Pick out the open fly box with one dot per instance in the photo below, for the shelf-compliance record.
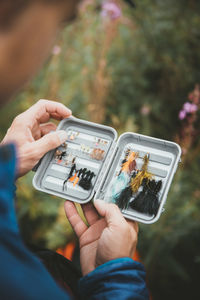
(135, 171)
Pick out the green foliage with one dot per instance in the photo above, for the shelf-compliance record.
(133, 73)
(156, 62)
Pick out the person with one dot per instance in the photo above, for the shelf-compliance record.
(28, 29)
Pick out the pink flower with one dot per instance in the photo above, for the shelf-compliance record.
(190, 107)
(56, 50)
(182, 114)
(111, 10)
(187, 107)
(193, 108)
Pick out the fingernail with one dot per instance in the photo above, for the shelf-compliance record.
(62, 136)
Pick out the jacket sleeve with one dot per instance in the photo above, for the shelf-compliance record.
(22, 276)
(122, 279)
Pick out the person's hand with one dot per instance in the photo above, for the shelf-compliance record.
(32, 134)
(108, 237)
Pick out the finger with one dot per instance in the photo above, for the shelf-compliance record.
(134, 225)
(90, 213)
(110, 212)
(44, 109)
(47, 128)
(74, 218)
(56, 116)
(48, 142)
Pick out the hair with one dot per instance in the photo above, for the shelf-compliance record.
(11, 9)
(61, 269)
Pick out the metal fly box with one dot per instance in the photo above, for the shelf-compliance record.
(135, 171)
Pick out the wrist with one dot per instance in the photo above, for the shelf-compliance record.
(115, 275)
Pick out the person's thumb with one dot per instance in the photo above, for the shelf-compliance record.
(110, 212)
(50, 141)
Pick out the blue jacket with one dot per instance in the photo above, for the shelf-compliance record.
(23, 277)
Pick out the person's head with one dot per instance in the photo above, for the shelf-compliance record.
(28, 29)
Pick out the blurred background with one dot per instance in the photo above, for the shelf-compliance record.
(135, 68)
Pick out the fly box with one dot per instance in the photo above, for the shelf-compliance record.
(135, 172)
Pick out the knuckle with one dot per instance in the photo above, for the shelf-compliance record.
(127, 229)
(114, 208)
(17, 119)
(123, 228)
(42, 102)
(133, 234)
(53, 141)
